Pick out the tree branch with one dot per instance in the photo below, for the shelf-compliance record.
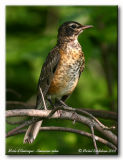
(97, 113)
(94, 139)
(102, 113)
(53, 128)
(42, 114)
(67, 108)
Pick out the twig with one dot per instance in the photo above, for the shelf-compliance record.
(53, 128)
(19, 105)
(16, 129)
(26, 123)
(86, 113)
(13, 123)
(94, 140)
(43, 98)
(101, 113)
(13, 92)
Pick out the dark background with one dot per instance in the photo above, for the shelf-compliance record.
(30, 34)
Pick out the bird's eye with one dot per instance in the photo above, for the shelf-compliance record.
(73, 26)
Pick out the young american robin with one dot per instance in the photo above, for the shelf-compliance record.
(61, 71)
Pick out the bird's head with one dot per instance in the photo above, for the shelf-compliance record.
(70, 30)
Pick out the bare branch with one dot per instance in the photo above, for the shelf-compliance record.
(53, 128)
(19, 105)
(97, 113)
(13, 123)
(101, 113)
(65, 115)
(45, 107)
(28, 112)
(94, 139)
(65, 107)
(13, 92)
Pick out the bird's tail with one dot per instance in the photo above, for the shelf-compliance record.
(32, 132)
(34, 128)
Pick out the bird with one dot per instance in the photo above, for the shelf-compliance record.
(60, 72)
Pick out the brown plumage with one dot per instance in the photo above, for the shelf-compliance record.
(61, 71)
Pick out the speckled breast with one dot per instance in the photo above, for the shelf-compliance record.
(67, 73)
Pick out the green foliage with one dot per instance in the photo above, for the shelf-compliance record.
(31, 34)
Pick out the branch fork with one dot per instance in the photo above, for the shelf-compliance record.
(68, 113)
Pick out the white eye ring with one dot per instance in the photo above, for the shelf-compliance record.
(73, 26)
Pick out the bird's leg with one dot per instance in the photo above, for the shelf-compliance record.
(61, 102)
(55, 106)
(58, 104)
(51, 103)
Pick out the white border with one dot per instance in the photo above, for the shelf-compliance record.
(62, 2)
(3, 3)
(2, 78)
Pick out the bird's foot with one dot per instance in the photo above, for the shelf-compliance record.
(59, 112)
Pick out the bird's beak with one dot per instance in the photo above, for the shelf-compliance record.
(87, 26)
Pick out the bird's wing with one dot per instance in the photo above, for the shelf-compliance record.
(82, 66)
(47, 73)
(81, 70)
